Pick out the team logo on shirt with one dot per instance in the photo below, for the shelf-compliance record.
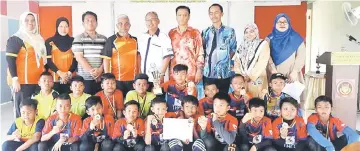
(234, 126)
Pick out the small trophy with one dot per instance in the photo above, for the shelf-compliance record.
(317, 64)
(156, 76)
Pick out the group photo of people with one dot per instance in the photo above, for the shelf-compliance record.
(96, 93)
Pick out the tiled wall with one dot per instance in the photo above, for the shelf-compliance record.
(10, 13)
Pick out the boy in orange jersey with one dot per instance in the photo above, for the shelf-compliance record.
(112, 99)
(206, 103)
(97, 129)
(129, 131)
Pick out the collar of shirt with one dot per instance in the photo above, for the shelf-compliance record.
(215, 29)
(156, 33)
(87, 35)
(188, 28)
(123, 37)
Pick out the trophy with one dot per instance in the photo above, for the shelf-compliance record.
(156, 76)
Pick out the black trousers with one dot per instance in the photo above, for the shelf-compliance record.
(62, 88)
(124, 86)
(105, 145)
(92, 87)
(48, 145)
(211, 144)
(338, 143)
(139, 146)
(13, 145)
(222, 84)
(26, 90)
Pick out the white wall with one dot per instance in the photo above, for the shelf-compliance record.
(329, 28)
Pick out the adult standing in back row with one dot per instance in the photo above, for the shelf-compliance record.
(219, 43)
(287, 50)
(87, 48)
(25, 55)
(187, 45)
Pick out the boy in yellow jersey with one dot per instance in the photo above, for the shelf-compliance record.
(25, 132)
(141, 95)
(78, 97)
(46, 96)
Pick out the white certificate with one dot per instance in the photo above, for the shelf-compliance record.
(178, 128)
(294, 90)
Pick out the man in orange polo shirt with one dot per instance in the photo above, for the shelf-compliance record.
(121, 56)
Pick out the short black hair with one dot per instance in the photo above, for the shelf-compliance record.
(277, 76)
(210, 82)
(107, 76)
(222, 96)
(77, 78)
(182, 7)
(141, 76)
(180, 67)
(157, 100)
(92, 101)
(45, 73)
(132, 102)
(256, 102)
(218, 5)
(64, 96)
(289, 100)
(88, 13)
(29, 102)
(189, 99)
(237, 75)
(323, 98)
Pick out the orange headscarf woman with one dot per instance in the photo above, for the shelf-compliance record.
(60, 58)
(25, 55)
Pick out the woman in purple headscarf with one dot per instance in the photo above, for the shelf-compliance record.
(287, 50)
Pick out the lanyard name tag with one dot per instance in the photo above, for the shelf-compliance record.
(257, 139)
(290, 140)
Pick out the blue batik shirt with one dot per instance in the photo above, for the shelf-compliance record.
(218, 44)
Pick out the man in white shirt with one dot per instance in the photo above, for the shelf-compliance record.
(155, 49)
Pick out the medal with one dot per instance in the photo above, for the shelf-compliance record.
(257, 139)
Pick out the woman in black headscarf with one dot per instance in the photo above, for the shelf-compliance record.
(60, 58)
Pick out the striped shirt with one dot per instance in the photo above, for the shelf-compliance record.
(92, 49)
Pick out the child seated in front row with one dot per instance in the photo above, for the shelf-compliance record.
(289, 130)
(218, 130)
(62, 129)
(78, 96)
(46, 96)
(129, 131)
(97, 130)
(272, 99)
(239, 97)
(154, 128)
(25, 132)
(112, 98)
(255, 129)
(189, 108)
(323, 127)
(141, 95)
(206, 103)
(178, 87)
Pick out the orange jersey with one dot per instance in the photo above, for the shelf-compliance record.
(297, 129)
(124, 57)
(263, 129)
(112, 103)
(107, 129)
(121, 127)
(205, 106)
(72, 127)
(27, 70)
(229, 123)
(238, 106)
(62, 60)
(333, 126)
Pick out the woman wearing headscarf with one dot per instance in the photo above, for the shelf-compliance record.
(287, 50)
(26, 56)
(60, 57)
(251, 60)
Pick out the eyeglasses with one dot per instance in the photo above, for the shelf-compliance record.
(279, 22)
